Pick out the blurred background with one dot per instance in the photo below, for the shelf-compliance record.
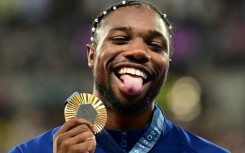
(43, 61)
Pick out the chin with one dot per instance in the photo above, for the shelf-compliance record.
(124, 104)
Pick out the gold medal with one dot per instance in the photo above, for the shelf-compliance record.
(88, 107)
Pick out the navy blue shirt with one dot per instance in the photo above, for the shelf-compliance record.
(173, 139)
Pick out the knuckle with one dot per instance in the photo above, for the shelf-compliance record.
(66, 143)
(91, 147)
(92, 143)
(72, 122)
(84, 126)
(90, 134)
(60, 140)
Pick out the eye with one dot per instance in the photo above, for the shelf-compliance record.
(119, 40)
(157, 46)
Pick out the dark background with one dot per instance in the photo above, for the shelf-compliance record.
(43, 60)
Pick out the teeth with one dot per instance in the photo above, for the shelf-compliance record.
(124, 70)
(133, 72)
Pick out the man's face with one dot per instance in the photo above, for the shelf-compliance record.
(131, 60)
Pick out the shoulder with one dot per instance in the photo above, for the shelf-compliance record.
(41, 143)
(189, 142)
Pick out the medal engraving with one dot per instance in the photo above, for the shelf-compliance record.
(87, 112)
(88, 107)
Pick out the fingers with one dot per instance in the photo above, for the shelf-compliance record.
(76, 135)
(74, 123)
(84, 136)
(86, 147)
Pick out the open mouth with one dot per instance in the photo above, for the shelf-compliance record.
(133, 72)
(131, 80)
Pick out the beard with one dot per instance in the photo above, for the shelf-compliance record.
(113, 101)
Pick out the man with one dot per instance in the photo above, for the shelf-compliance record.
(129, 55)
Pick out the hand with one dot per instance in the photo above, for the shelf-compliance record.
(75, 136)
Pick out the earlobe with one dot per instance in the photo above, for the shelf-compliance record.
(90, 55)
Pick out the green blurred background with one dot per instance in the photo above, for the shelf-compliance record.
(43, 60)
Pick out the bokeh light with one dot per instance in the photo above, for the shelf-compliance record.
(183, 99)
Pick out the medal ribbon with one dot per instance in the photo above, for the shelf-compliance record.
(145, 143)
(151, 136)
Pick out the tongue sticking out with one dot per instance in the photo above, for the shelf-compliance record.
(132, 84)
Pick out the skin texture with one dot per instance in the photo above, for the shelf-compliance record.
(75, 136)
(137, 40)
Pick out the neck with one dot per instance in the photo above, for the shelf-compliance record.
(122, 121)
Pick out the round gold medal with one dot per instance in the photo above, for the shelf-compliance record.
(88, 107)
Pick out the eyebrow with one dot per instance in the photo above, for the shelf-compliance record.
(121, 29)
(151, 32)
(158, 34)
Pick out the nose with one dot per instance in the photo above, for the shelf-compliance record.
(137, 51)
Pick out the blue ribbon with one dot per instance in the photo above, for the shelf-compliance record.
(145, 143)
(151, 136)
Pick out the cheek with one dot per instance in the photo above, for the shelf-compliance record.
(106, 55)
(161, 81)
(162, 66)
(162, 63)
(99, 70)
(101, 66)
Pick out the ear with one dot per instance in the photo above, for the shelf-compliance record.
(90, 55)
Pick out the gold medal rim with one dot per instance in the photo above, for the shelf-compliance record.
(74, 103)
